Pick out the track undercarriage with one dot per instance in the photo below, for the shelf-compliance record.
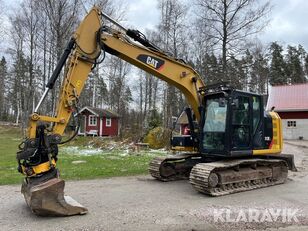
(216, 177)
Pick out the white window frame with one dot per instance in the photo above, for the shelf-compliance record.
(90, 121)
(108, 122)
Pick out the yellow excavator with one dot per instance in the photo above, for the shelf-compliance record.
(233, 146)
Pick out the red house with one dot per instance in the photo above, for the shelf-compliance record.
(99, 122)
(183, 122)
(291, 103)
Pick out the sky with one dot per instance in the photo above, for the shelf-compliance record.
(288, 23)
(287, 26)
(142, 14)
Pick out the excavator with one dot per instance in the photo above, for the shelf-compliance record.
(233, 146)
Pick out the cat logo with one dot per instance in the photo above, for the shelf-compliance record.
(154, 62)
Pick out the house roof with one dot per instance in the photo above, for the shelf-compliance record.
(100, 112)
(288, 98)
(183, 118)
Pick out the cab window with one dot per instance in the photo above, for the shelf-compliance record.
(256, 113)
(240, 122)
(215, 124)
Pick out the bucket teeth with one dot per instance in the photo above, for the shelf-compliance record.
(47, 199)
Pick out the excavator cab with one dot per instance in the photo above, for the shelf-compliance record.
(233, 123)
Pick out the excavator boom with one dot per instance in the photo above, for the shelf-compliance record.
(42, 188)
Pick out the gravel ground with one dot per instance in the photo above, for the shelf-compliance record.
(141, 203)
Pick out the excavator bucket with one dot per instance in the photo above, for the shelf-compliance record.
(47, 199)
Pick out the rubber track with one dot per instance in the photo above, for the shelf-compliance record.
(199, 177)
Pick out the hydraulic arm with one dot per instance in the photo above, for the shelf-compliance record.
(42, 187)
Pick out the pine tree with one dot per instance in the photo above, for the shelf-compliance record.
(258, 69)
(306, 66)
(212, 69)
(277, 75)
(259, 75)
(295, 71)
(236, 72)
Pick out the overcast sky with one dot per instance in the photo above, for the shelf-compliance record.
(288, 24)
(288, 19)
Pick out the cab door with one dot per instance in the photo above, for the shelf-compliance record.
(241, 124)
(214, 135)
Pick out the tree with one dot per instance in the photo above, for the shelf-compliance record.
(277, 75)
(3, 79)
(19, 81)
(231, 22)
(155, 119)
(62, 17)
(210, 68)
(119, 94)
(25, 32)
(247, 62)
(259, 72)
(172, 32)
(30, 21)
(306, 65)
(294, 68)
(239, 74)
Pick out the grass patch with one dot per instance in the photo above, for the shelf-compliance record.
(75, 162)
(103, 164)
(10, 138)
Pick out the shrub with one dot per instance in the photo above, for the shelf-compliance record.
(158, 137)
